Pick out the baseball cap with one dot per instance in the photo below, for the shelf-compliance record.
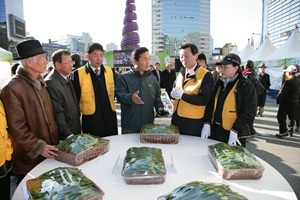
(291, 68)
(230, 59)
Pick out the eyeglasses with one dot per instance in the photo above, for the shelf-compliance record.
(68, 63)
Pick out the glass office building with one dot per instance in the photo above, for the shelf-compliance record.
(280, 17)
(12, 24)
(175, 22)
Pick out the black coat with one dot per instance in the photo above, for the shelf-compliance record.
(167, 80)
(246, 103)
(265, 80)
(289, 91)
(156, 76)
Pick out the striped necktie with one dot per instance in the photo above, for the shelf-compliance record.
(97, 73)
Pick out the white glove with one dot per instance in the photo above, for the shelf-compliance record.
(177, 93)
(205, 131)
(233, 139)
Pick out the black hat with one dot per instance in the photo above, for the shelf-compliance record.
(29, 48)
(201, 56)
(230, 59)
(262, 65)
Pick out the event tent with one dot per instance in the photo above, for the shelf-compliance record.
(288, 50)
(265, 49)
(5, 56)
(235, 50)
(246, 52)
(5, 59)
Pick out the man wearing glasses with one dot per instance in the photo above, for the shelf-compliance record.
(63, 96)
(230, 113)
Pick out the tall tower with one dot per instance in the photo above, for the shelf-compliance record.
(176, 22)
(131, 38)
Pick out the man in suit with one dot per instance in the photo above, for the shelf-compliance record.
(168, 76)
(63, 96)
(157, 73)
(94, 86)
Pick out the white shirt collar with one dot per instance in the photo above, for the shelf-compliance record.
(94, 68)
(191, 71)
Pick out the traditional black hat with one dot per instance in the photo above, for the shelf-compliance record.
(29, 48)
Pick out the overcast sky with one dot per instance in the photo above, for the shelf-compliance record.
(231, 20)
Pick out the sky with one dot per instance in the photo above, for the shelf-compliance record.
(232, 21)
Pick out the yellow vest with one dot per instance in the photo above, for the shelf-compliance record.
(192, 86)
(229, 108)
(87, 102)
(5, 143)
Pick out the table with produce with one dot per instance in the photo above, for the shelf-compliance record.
(132, 167)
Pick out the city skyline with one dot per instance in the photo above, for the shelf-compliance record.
(232, 21)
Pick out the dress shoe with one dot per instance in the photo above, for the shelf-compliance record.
(291, 131)
(280, 135)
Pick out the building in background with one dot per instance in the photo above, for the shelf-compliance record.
(111, 46)
(12, 24)
(279, 19)
(51, 47)
(226, 49)
(175, 22)
(76, 44)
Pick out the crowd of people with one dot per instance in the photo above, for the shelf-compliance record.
(219, 103)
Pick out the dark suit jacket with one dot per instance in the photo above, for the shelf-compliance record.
(167, 80)
(155, 74)
(65, 104)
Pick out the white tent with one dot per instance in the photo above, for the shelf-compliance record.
(266, 49)
(289, 49)
(5, 56)
(235, 50)
(246, 52)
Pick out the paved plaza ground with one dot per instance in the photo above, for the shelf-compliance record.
(282, 154)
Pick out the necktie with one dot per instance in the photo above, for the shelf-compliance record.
(187, 75)
(97, 73)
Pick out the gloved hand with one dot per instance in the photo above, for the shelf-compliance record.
(177, 93)
(233, 139)
(162, 113)
(205, 131)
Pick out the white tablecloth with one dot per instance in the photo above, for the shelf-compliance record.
(190, 163)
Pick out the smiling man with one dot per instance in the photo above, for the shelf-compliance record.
(192, 92)
(139, 93)
(63, 96)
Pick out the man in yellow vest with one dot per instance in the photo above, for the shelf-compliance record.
(94, 86)
(230, 113)
(191, 93)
